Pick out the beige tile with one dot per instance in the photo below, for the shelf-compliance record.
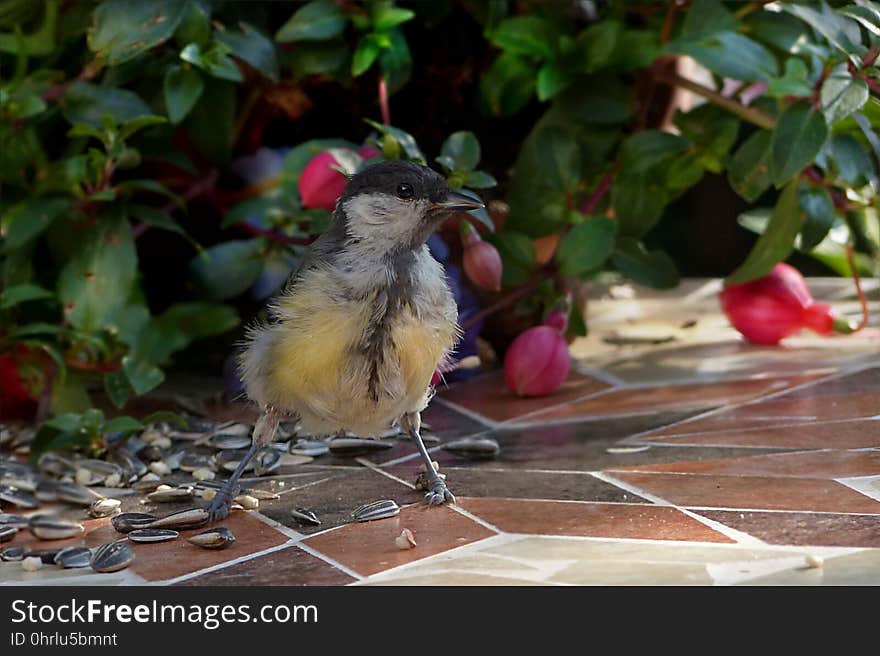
(592, 572)
(453, 578)
(862, 568)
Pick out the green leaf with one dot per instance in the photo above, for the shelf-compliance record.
(635, 49)
(552, 79)
(560, 156)
(587, 246)
(97, 278)
(868, 15)
(463, 149)
(841, 32)
(182, 87)
(481, 214)
(576, 324)
(841, 95)
(252, 46)
(517, 256)
(854, 164)
(31, 329)
(683, 172)
(793, 83)
(228, 269)
(730, 54)
(748, 171)
(314, 21)
(508, 84)
(777, 241)
(156, 218)
(317, 57)
(479, 180)
(525, 35)
(404, 139)
(28, 219)
(365, 54)
(195, 26)
(123, 29)
(133, 125)
(638, 202)
(215, 61)
(798, 137)
(596, 45)
(142, 375)
(648, 149)
(22, 293)
(386, 16)
(88, 103)
(211, 122)
(708, 17)
(122, 425)
(777, 29)
(396, 61)
(712, 130)
(651, 269)
(197, 319)
(117, 388)
(818, 209)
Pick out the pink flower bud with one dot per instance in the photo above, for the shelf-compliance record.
(557, 319)
(481, 261)
(537, 362)
(320, 185)
(771, 308)
(369, 152)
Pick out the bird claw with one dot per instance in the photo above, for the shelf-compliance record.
(218, 508)
(439, 493)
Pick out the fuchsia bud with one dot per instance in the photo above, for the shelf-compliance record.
(537, 362)
(321, 185)
(481, 261)
(369, 152)
(769, 309)
(557, 319)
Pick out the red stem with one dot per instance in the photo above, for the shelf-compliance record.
(273, 235)
(862, 299)
(600, 190)
(513, 296)
(383, 101)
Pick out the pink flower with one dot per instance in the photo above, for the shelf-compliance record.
(537, 362)
(321, 185)
(769, 309)
(481, 261)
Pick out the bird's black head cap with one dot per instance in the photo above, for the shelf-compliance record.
(405, 180)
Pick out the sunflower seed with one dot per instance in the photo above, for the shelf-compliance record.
(473, 447)
(51, 464)
(127, 522)
(8, 519)
(623, 450)
(228, 441)
(104, 507)
(191, 462)
(266, 461)
(229, 460)
(112, 557)
(47, 491)
(16, 552)
(234, 428)
(171, 494)
(7, 533)
(152, 535)
(18, 497)
(49, 527)
(71, 557)
(309, 448)
(406, 540)
(213, 538)
(101, 468)
(147, 483)
(247, 502)
(77, 494)
(26, 480)
(261, 495)
(160, 468)
(305, 516)
(376, 510)
(349, 447)
(183, 519)
(47, 556)
(152, 452)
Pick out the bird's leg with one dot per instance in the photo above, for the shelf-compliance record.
(437, 491)
(264, 433)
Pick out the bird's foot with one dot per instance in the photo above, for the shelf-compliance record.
(218, 508)
(438, 493)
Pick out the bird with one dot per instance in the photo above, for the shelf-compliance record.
(352, 340)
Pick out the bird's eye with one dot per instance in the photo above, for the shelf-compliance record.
(405, 191)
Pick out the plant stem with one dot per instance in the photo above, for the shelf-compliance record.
(383, 101)
(274, 236)
(861, 294)
(510, 298)
(750, 114)
(600, 190)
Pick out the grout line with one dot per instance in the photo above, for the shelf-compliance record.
(302, 487)
(737, 536)
(278, 526)
(330, 561)
(485, 421)
(225, 564)
(750, 429)
(378, 469)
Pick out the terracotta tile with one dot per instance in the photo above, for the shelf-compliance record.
(167, 560)
(574, 447)
(752, 492)
(486, 395)
(476, 482)
(693, 396)
(840, 435)
(289, 566)
(590, 519)
(817, 529)
(334, 499)
(368, 547)
(810, 464)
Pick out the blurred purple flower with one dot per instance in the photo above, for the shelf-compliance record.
(263, 165)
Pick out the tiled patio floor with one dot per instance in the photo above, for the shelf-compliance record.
(674, 455)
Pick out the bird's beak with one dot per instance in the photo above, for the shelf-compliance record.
(455, 201)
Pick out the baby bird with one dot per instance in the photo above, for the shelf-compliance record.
(355, 336)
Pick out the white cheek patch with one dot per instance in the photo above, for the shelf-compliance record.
(380, 221)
